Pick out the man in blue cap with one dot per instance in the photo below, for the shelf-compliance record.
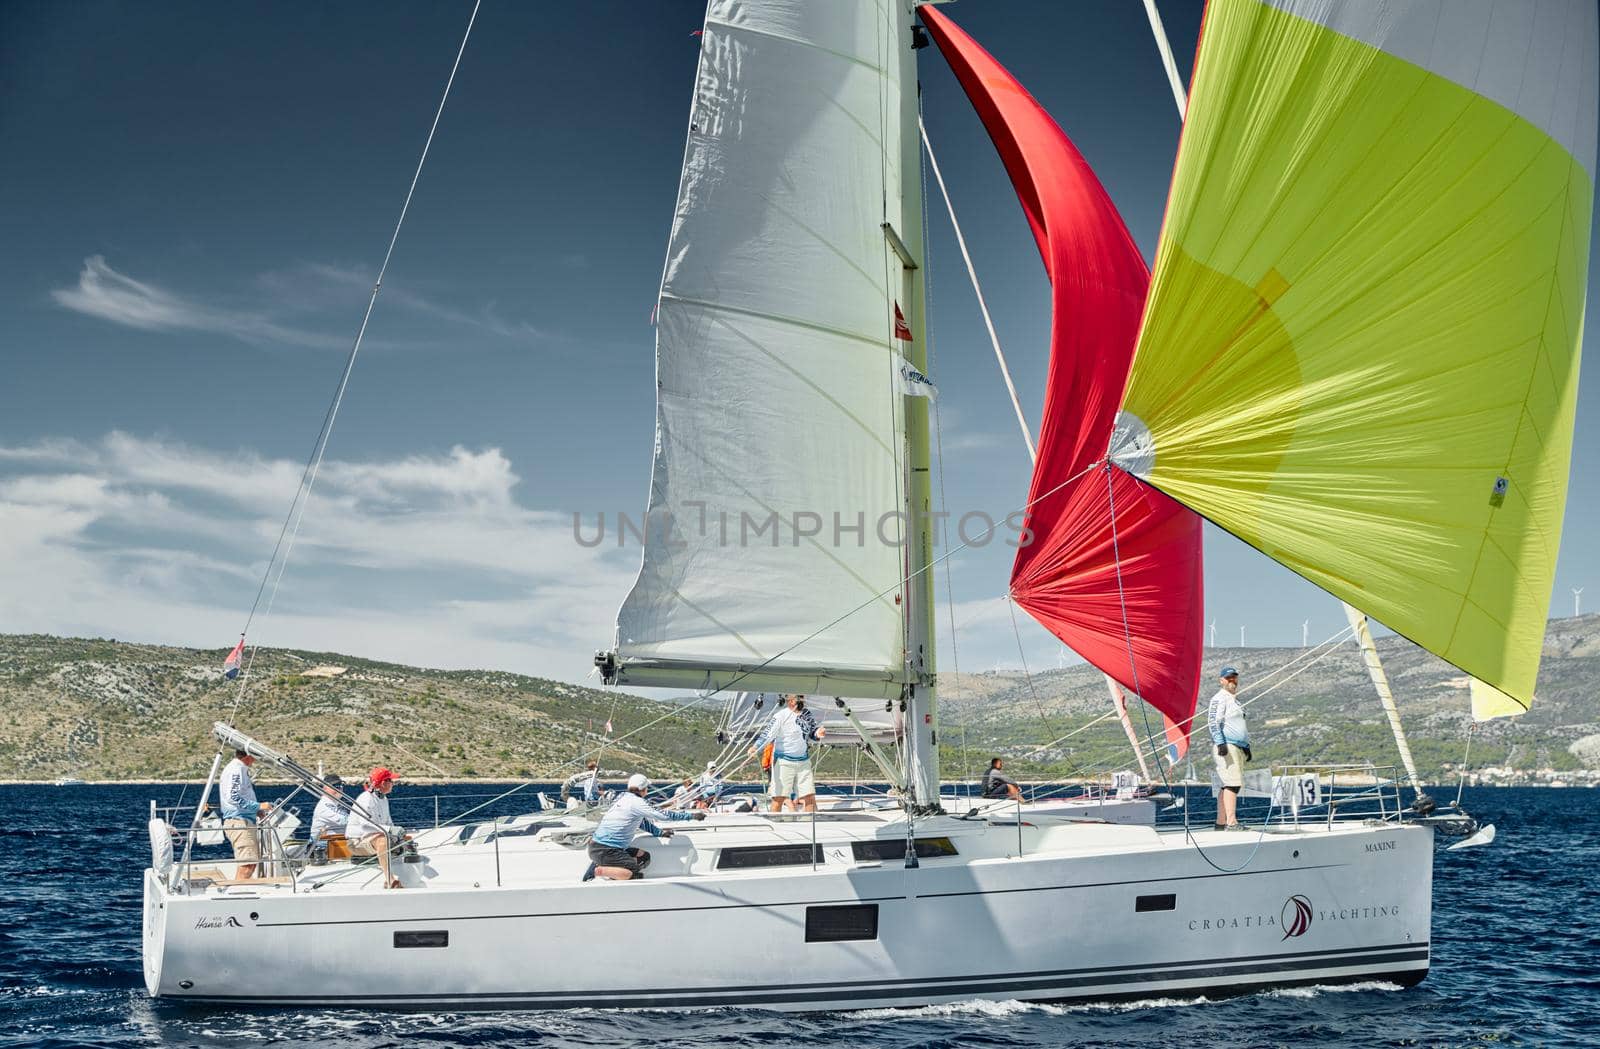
(1231, 736)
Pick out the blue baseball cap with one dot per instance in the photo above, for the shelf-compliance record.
(1229, 672)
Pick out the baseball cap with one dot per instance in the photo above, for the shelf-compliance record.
(638, 781)
(1229, 672)
(380, 776)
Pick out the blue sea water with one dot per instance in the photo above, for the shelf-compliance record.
(1516, 958)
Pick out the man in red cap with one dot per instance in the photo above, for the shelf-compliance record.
(370, 829)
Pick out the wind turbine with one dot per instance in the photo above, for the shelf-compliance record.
(1213, 633)
(1305, 634)
(1241, 635)
(1577, 601)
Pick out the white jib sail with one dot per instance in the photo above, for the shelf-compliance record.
(1380, 683)
(778, 485)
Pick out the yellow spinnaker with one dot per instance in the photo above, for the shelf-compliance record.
(1360, 352)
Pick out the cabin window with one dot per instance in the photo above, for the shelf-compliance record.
(428, 938)
(1165, 902)
(834, 924)
(895, 848)
(769, 856)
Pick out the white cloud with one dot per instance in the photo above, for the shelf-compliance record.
(424, 558)
(111, 296)
(421, 559)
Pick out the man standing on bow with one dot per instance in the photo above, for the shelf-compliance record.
(791, 731)
(1225, 717)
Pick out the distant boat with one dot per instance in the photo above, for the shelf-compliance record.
(69, 781)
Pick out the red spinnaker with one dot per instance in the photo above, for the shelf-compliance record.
(1088, 521)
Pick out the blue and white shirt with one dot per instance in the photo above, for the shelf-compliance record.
(790, 734)
(238, 793)
(1225, 717)
(627, 814)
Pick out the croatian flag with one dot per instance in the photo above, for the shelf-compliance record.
(1177, 741)
(230, 666)
(902, 330)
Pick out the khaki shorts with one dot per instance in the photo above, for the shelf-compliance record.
(245, 839)
(365, 846)
(792, 779)
(1230, 766)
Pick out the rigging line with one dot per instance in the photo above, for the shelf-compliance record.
(981, 536)
(1472, 730)
(994, 339)
(1011, 607)
(938, 438)
(1337, 638)
(1127, 630)
(308, 477)
(983, 306)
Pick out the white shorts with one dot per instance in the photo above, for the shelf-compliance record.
(792, 779)
(1230, 766)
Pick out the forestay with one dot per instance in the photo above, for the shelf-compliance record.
(1361, 349)
(778, 477)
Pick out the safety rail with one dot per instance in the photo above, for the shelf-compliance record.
(1325, 794)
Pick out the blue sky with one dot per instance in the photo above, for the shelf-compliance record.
(195, 206)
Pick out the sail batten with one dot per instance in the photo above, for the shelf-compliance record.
(1114, 569)
(1361, 345)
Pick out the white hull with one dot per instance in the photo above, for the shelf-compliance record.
(1063, 921)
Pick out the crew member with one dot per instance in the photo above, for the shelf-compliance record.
(584, 784)
(240, 811)
(792, 730)
(1225, 717)
(330, 815)
(369, 830)
(996, 784)
(611, 852)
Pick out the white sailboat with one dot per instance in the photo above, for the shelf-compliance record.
(791, 364)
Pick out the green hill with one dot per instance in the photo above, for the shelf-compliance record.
(100, 709)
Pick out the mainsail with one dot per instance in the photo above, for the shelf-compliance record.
(773, 552)
(1361, 348)
(1114, 569)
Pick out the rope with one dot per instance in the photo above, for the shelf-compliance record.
(1472, 730)
(1122, 602)
(308, 477)
(994, 340)
(938, 438)
(1011, 607)
(1337, 638)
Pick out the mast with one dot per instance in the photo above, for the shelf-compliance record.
(922, 723)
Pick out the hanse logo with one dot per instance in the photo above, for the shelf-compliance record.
(213, 922)
(1295, 918)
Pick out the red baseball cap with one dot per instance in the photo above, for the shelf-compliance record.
(380, 775)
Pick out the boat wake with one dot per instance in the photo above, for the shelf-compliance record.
(1012, 1007)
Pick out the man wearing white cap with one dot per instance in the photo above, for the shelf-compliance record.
(611, 855)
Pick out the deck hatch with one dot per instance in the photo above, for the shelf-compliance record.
(1167, 901)
(423, 938)
(768, 856)
(895, 848)
(834, 924)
